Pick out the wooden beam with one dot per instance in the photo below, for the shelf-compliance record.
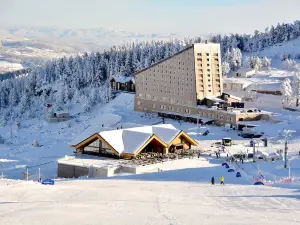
(148, 141)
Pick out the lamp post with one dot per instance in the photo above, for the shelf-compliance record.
(198, 117)
(253, 144)
(287, 134)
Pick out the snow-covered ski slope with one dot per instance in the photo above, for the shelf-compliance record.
(289, 47)
(162, 198)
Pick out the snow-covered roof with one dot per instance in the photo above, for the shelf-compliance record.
(132, 139)
(215, 99)
(235, 97)
(125, 141)
(89, 131)
(123, 79)
(245, 82)
(244, 70)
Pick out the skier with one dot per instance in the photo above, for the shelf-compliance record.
(222, 180)
(213, 180)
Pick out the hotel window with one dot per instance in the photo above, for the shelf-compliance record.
(199, 54)
(153, 105)
(207, 54)
(209, 90)
(207, 64)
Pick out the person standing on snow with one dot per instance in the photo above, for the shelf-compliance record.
(222, 180)
(213, 180)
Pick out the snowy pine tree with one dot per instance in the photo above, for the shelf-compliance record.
(225, 68)
(266, 62)
(296, 87)
(287, 92)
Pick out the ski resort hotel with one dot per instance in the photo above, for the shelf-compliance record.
(189, 84)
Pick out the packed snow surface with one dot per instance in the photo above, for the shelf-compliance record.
(169, 197)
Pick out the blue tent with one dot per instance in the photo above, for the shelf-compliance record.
(231, 170)
(258, 183)
(238, 174)
(48, 182)
(224, 164)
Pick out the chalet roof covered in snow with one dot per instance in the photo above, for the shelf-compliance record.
(131, 140)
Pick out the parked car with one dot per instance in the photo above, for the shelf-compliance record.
(48, 182)
(251, 135)
(247, 135)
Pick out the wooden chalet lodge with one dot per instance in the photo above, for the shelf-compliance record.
(128, 143)
(123, 84)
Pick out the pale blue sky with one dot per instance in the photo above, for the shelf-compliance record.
(187, 17)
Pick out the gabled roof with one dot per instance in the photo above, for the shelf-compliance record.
(132, 140)
(166, 132)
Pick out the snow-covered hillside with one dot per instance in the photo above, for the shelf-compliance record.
(8, 66)
(290, 47)
(30, 45)
(98, 36)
